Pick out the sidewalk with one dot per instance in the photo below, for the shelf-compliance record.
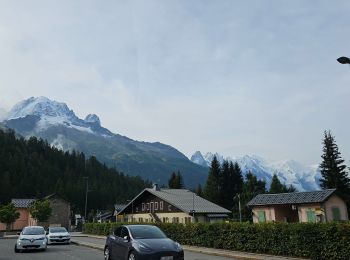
(98, 242)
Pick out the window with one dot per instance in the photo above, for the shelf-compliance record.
(261, 216)
(155, 205)
(187, 220)
(161, 205)
(336, 214)
(169, 207)
(125, 232)
(147, 206)
(117, 231)
(311, 217)
(143, 206)
(140, 220)
(175, 220)
(137, 209)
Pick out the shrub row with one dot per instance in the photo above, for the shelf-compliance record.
(316, 241)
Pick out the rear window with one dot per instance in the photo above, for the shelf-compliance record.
(57, 230)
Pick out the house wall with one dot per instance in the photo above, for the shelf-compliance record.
(150, 203)
(60, 215)
(335, 201)
(285, 213)
(164, 217)
(269, 214)
(303, 208)
(24, 220)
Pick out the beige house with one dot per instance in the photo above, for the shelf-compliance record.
(312, 206)
(171, 206)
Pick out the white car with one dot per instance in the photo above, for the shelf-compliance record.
(31, 237)
(57, 235)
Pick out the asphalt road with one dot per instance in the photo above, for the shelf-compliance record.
(73, 252)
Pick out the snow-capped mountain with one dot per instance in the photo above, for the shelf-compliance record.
(47, 113)
(55, 122)
(289, 172)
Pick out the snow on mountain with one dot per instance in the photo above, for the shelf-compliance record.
(52, 113)
(289, 171)
(41, 106)
(92, 118)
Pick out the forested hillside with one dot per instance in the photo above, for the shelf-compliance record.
(33, 169)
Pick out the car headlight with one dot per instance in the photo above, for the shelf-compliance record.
(142, 247)
(178, 247)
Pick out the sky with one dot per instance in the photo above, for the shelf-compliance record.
(233, 77)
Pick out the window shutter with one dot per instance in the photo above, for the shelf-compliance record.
(311, 217)
(261, 216)
(336, 213)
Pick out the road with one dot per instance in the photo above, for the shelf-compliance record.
(74, 252)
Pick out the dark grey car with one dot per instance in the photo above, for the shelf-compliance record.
(139, 242)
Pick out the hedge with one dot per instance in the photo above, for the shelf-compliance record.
(316, 241)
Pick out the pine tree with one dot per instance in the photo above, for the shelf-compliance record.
(276, 185)
(211, 189)
(172, 181)
(333, 169)
(226, 186)
(199, 191)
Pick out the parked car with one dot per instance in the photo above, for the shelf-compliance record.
(58, 235)
(31, 237)
(139, 242)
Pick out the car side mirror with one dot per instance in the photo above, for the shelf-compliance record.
(126, 239)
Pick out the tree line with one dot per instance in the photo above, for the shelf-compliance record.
(226, 185)
(33, 169)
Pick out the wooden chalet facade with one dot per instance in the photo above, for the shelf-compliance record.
(171, 206)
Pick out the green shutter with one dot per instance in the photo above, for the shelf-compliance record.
(311, 217)
(336, 213)
(261, 216)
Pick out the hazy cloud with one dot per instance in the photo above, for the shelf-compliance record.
(233, 77)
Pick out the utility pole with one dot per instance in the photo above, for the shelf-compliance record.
(86, 196)
(239, 205)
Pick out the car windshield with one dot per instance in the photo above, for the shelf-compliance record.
(146, 232)
(58, 230)
(33, 231)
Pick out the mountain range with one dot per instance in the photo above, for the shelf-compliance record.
(58, 124)
(289, 171)
(55, 122)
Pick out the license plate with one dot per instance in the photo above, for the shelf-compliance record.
(166, 258)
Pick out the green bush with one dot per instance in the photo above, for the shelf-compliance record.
(316, 241)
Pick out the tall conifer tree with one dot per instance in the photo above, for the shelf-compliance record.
(333, 169)
(212, 187)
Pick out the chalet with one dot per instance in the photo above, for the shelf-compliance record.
(312, 206)
(171, 206)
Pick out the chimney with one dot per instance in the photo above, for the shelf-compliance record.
(156, 187)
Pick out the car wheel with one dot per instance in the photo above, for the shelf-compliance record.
(132, 256)
(106, 254)
(17, 250)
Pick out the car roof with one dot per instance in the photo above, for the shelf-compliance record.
(33, 227)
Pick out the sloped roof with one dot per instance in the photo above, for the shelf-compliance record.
(22, 203)
(318, 196)
(185, 200)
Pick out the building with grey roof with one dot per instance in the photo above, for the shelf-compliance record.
(310, 206)
(172, 206)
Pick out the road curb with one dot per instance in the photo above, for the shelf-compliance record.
(86, 244)
(208, 251)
